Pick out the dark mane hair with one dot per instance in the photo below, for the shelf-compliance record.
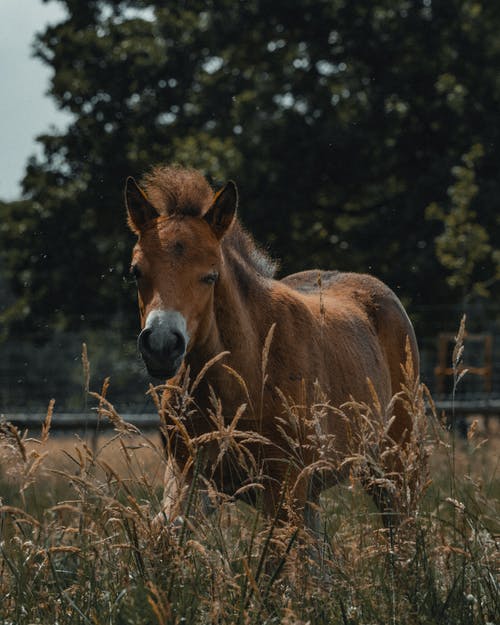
(175, 190)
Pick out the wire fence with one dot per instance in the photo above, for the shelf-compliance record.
(31, 373)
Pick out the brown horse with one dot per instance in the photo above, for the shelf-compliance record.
(205, 288)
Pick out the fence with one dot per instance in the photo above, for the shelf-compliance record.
(32, 373)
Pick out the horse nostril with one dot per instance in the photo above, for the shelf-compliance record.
(178, 342)
(143, 341)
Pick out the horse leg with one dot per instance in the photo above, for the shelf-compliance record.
(176, 483)
(386, 502)
(400, 345)
(302, 503)
(389, 480)
(312, 517)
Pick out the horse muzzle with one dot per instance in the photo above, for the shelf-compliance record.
(162, 343)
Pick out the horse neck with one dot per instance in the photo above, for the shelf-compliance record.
(242, 318)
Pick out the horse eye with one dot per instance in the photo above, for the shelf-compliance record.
(210, 278)
(135, 271)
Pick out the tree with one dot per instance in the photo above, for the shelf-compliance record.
(464, 247)
(339, 121)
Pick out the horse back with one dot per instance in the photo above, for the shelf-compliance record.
(382, 308)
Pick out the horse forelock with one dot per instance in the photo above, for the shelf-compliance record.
(175, 190)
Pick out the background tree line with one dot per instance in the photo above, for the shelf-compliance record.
(362, 135)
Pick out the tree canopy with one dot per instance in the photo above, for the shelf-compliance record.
(341, 122)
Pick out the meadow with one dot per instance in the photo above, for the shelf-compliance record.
(79, 543)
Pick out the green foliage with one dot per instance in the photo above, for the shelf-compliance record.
(464, 245)
(339, 121)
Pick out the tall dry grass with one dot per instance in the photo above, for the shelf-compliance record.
(79, 543)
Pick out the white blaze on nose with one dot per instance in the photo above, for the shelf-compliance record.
(162, 323)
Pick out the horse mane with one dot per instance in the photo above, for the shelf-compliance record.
(240, 247)
(176, 190)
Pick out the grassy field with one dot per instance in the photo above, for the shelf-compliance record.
(78, 544)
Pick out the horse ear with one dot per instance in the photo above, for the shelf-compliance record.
(139, 209)
(223, 210)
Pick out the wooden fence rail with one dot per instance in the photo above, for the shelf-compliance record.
(72, 421)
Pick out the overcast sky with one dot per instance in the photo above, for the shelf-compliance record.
(25, 110)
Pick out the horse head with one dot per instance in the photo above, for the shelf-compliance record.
(176, 262)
